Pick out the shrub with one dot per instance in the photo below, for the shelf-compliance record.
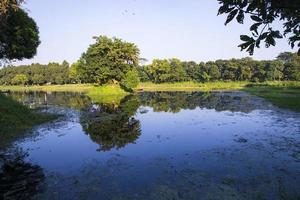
(19, 79)
(131, 80)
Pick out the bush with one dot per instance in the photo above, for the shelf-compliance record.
(131, 80)
(19, 79)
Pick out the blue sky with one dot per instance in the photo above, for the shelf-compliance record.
(189, 29)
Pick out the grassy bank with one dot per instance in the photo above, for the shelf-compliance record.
(108, 90)
(275, 91)
(107, 94)
(100, 94)
(15, 119)
(49, 88)
(281, 94)
(191, 86)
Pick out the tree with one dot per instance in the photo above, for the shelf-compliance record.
(292, 71)
(287, 57)
(193, 70)
(6, 5)
(291, 62)
(159, 71)
(214, 72)
(38, 79)
(263, 13)
(20, 79)
(131, 80)
(274, 70)
(19, 35)
(108, 59)
(178, 73)
(73, 73)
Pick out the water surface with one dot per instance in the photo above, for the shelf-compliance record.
(220, 145)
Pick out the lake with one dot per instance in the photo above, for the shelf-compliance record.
(160, 145)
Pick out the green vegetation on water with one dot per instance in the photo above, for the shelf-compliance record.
(16, 118)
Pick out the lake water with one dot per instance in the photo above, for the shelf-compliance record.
(220, 145)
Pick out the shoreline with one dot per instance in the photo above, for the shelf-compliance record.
(153, 87)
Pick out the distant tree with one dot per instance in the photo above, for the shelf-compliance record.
(192, 69)
(291, 69)
(19, 35)
(258, 72)
(108, 59)
(38, 79)
(287, 57)
(214, 72)
(263, 13)
(274, 70)
(171, 70)
(20, 79)
(243, 73)
(73, 73)
(285, 67)
(143, 74)
(159, 71)
(178, 73)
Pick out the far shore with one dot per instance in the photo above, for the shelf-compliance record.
(152, 87)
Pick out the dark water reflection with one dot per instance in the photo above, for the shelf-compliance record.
(224, 145)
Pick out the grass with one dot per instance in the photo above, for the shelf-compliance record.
(282, 94)
(191, 86)
(107, 94)
(49, 88)
(111, 90)
(99, 94)
(15, 119)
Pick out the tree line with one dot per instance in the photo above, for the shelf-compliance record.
(35, 74)
(285, 67)
(112, 60)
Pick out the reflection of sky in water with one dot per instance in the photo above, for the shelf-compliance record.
(163, 134)
(199, 144)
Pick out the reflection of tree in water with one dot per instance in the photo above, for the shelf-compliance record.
(175, 101)
(113, 127)
(68, 99)
(19, 179)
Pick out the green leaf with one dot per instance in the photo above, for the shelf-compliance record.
(246, 38)
(240, 17)
(251, 49)
(263, 36)
(257, 43)
(276, 34)
(270, 41)
(255, 18)
(231, 15)
(254, 27)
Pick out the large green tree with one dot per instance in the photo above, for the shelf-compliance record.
(107, 60)
(19, 35)
(6, 5)
(263, 14)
